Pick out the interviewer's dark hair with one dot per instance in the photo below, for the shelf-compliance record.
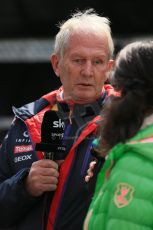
(133, 78)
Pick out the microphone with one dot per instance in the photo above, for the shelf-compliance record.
(52, 132)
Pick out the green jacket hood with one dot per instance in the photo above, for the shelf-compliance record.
(143, 140)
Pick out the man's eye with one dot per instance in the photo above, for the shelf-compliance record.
(98, 62)
(78, 60)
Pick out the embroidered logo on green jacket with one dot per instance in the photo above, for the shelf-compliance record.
(123, 195)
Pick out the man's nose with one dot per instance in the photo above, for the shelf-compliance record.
(87, 69)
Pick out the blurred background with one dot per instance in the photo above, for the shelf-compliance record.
(27, 30)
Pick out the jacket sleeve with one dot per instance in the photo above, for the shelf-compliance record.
(15, 202)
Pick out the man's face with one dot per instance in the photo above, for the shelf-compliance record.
(83, 68)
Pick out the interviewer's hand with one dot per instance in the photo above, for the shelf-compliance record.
(42, 177)
(90, 171)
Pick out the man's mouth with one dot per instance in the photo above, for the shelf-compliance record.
(85, 84)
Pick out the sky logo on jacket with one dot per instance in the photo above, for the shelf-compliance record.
(58, 124)
(123, 195)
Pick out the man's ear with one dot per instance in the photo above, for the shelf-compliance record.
(55, 64)
(110, 64)
(109, 69)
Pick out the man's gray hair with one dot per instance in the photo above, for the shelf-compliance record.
(86, 21)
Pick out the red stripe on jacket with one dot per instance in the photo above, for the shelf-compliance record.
(64, 171)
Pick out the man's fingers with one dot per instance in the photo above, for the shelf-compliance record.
(90, 172)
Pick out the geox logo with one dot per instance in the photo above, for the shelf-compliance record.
(23, 158)
(22, 148)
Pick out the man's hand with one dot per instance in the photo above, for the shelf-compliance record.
(42, 177)
(90, 171)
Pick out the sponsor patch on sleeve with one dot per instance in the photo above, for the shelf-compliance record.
(123, 195)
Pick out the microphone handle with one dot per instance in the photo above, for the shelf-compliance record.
(49, 155)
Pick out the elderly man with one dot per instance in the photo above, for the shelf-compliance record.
(38, 193)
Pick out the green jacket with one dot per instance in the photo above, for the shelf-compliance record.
(123, 198)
